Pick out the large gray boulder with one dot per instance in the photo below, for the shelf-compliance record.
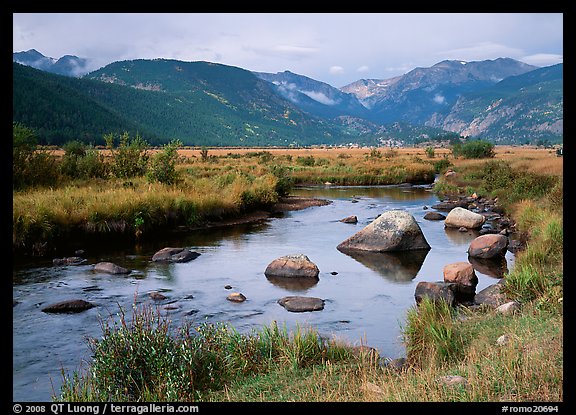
(460, 217)
(292, 266)
(394, 230)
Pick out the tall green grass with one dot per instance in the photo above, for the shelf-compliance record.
(143, 358)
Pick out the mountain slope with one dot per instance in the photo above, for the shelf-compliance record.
(519, 108)
(424, 93)
(197, 102)
(315, 97)
(58, 110)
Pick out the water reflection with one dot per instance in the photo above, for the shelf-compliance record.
(293, 283)
(493, 267)
(461, 238)
(402, 266)
(394, 192)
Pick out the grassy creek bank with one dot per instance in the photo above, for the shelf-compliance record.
(453, 353)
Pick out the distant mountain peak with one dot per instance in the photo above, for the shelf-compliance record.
(68, 65)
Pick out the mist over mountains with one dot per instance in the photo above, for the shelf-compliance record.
(203, 103)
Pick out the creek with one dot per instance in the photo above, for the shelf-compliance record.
(366, 297)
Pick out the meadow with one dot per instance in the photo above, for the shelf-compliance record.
(218, 364)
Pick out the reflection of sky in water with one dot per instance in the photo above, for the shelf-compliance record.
(365, 302)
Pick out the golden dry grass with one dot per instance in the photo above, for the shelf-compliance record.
(528, 158)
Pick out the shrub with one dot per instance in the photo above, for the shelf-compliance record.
(143, 359)
(475, 149)
(306, 161)
(163, 165)
(31, 166)
(130, 158)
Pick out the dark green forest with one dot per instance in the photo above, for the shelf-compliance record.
(200, 104)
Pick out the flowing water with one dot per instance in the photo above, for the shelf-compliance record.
(366, 297)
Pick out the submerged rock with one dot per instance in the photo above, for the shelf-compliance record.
(110, 268)
(299, 304)
(394, 230)
(174, 255)
(68, 306)
(434, 216)
(73, 260)
(236, 297)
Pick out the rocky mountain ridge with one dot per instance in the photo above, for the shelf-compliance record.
(476, 99)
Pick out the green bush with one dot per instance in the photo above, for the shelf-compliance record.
(306, 161)
(475, 149)
(130, 158)
(82, 162)
(144, 359)
(31, 166)
(163, 165)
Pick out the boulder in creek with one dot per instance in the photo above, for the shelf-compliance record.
(462, 274)
(436, 291)
(434, 216)
(174, 255)
(68, 306)
(460, 217)
(297, 304)
(110, 268)
(73, 260)
(394, 230)
(488, 246)
(156, 296)
(236, 297)
(291, 266)
(349, 219)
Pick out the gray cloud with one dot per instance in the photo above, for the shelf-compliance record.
(383, 45)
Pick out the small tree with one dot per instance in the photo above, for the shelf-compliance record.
(130, 158)
(31, 166)
(204, 153)
(163, 164)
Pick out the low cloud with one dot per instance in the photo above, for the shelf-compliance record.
(284, 51)
(480, 51)
(320, 97)
(363, 68)
(543, 59)
(439, 99)
(336, 70)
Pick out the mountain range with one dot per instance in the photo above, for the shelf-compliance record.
(203, 103)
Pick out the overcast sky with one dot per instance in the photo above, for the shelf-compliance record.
(336, 48)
